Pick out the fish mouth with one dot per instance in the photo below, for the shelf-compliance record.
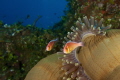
(66, 52)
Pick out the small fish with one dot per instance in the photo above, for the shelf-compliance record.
(51, 44)
(28, 16)
(70, 46)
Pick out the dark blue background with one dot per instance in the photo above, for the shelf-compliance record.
(12, 11)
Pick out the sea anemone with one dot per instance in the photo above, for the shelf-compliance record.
(71, 65)
(47, 69)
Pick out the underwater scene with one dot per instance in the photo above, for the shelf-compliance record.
(60, 40)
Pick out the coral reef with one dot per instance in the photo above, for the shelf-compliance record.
(19, 46)
(108, 9)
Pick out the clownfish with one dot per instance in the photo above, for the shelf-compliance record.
(51, 44)
(70, 46)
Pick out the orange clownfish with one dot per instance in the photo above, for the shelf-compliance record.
(51, 44)
(70, 46)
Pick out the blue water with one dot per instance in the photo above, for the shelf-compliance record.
(26, 11)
